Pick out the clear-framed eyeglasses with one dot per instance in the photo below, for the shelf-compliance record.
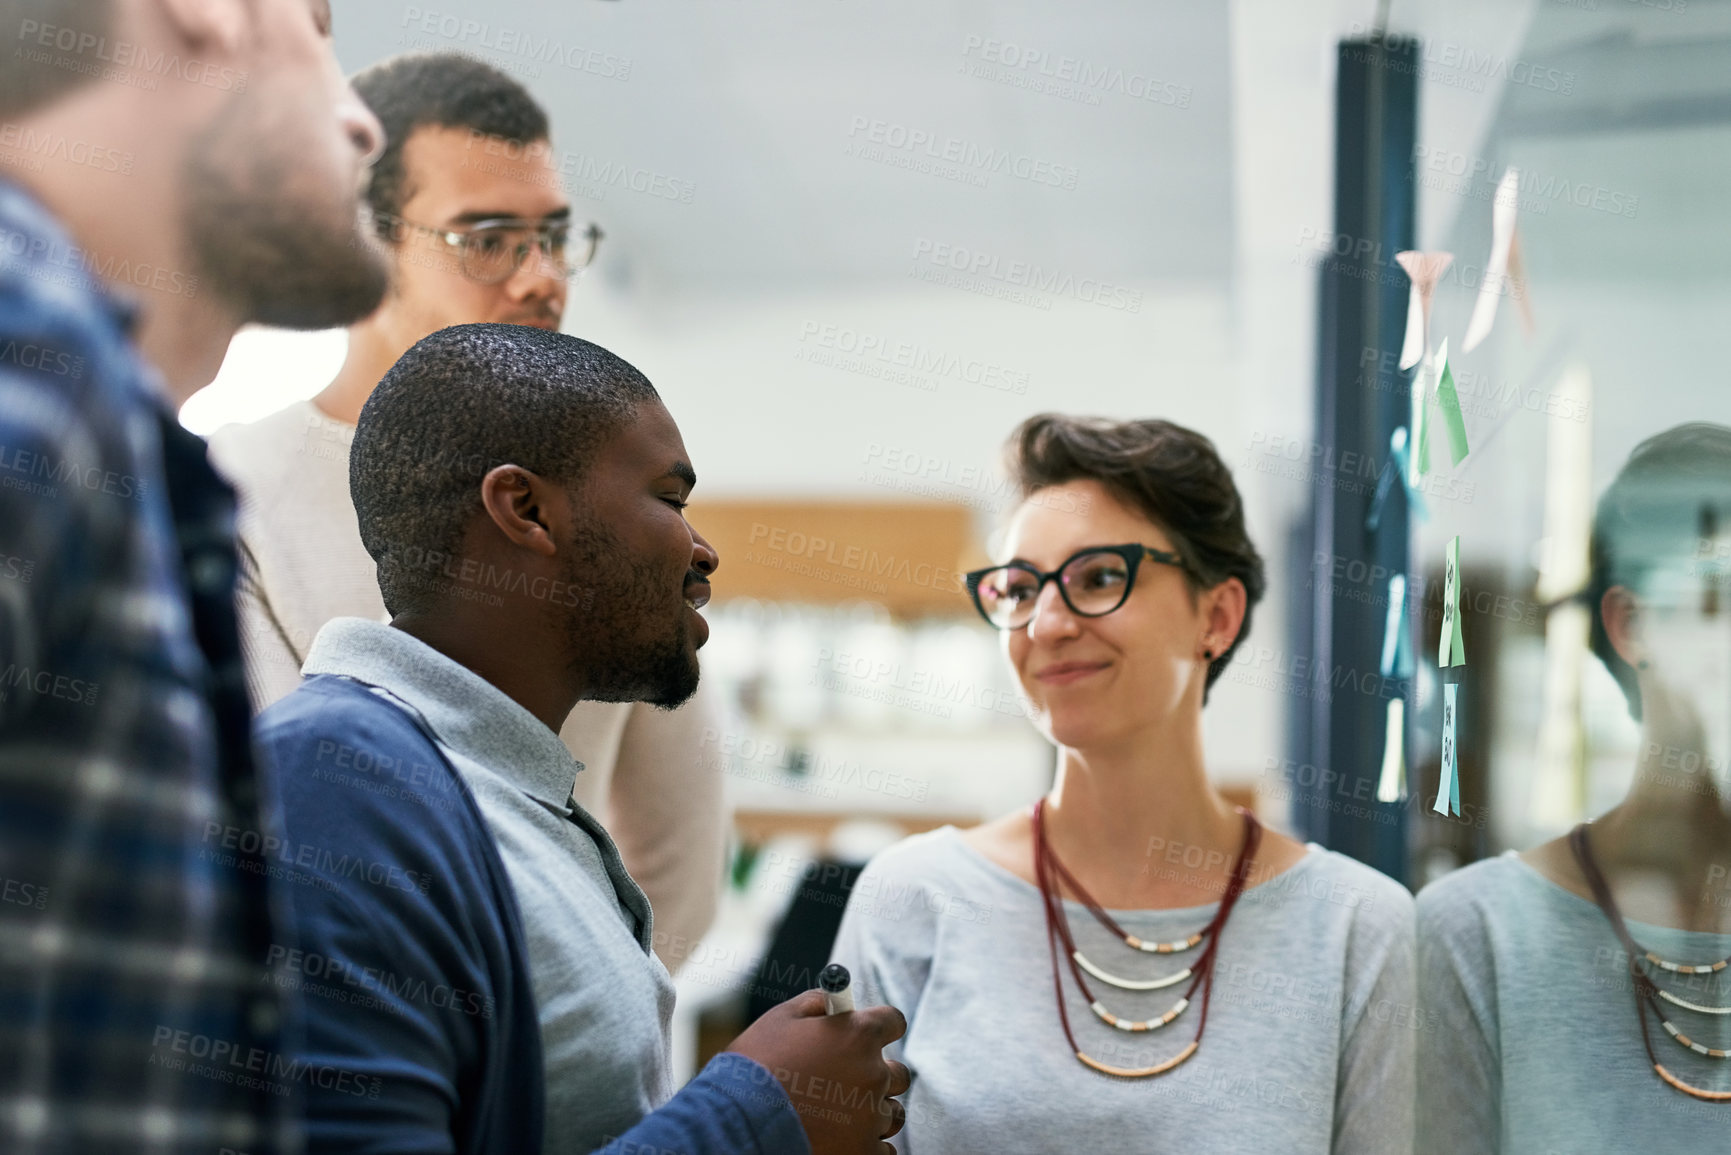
(1093, 582)
(492, 251)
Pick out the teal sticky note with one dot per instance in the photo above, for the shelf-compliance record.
(1396, 652)
(1451, 719)
(1399, 445)
(1448, 790)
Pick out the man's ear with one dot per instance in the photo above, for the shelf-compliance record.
(1621, 612)
(522, 506)
(216, 27)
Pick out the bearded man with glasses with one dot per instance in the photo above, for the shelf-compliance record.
(467, 199)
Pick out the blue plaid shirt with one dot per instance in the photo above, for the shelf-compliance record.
(136, 1013)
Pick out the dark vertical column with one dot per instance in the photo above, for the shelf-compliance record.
(1361, 398)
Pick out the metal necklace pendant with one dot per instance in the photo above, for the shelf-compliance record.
(1698, 1048)
(1177, 947)
(1124, 984)
(1684, 969)
(1689, 1006)
(1124, 1024)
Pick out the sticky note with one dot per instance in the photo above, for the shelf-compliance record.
(1496, 276)
(1451, 651)
(1420, 427)
(1394, 643)
(1391, 785)
(1450, 403)
(1424, 270)
(1399, 445)
(1448, 791)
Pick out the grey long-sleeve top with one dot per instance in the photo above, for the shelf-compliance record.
(1310, 1037)
(1531, 1044)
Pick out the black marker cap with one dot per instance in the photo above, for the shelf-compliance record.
(834, 978)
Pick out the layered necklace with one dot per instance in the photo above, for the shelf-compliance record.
(1050, 873)
(1648, 992)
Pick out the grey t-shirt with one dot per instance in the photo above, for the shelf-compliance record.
(1310, 1037)
(1531, 1044)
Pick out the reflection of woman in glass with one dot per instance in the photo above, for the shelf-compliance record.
(1540, 1033)
(1132, 964)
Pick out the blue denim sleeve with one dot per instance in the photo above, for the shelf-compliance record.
(733, 1107)
(419, 1034)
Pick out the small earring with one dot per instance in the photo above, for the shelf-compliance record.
(1208, 655)
(1643, 664)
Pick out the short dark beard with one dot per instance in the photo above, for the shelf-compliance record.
(276, 251)
(624, 652)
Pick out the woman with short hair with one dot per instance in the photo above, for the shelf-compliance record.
(1132, 963)
(1581, 989)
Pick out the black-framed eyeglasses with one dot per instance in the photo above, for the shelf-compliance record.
(492, 251)
(1093, 582)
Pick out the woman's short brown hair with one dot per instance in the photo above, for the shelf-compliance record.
(1171, 475)
(1664, 509)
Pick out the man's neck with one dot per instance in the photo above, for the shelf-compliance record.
(371, 355)
(527, 668)
(135, 240)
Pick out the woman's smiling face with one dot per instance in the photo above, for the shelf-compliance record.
(1092, 681)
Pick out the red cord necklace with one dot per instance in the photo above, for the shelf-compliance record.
(1049, 872)
(1641, 980)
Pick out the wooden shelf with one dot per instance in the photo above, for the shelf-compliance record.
(906, 556)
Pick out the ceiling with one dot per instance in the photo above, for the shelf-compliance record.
(749, 112)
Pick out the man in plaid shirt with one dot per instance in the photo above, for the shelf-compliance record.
(169, 171)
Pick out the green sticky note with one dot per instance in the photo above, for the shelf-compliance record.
(1450, 404)
(1421, 422)
(1460, 649)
